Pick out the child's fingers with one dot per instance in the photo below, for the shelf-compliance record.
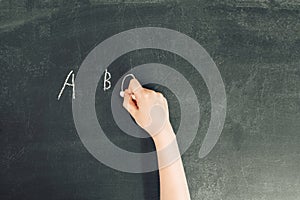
(128, 103)
(135, 87)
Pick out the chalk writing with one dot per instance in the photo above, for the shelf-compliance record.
(68, 84)
(106, 82)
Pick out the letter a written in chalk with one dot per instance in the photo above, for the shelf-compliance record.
(68, 84)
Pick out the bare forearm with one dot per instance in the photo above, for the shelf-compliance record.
(173, 184)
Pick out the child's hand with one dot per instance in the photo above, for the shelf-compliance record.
(147, 107)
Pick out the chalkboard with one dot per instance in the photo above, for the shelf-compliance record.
(255, 45)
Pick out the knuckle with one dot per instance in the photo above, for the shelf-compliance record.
(148, 93)
(160, 94)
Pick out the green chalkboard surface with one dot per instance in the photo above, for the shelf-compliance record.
(255, 45)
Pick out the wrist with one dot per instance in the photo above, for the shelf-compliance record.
(164, 137)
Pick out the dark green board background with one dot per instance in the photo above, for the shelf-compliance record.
(255, 44)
